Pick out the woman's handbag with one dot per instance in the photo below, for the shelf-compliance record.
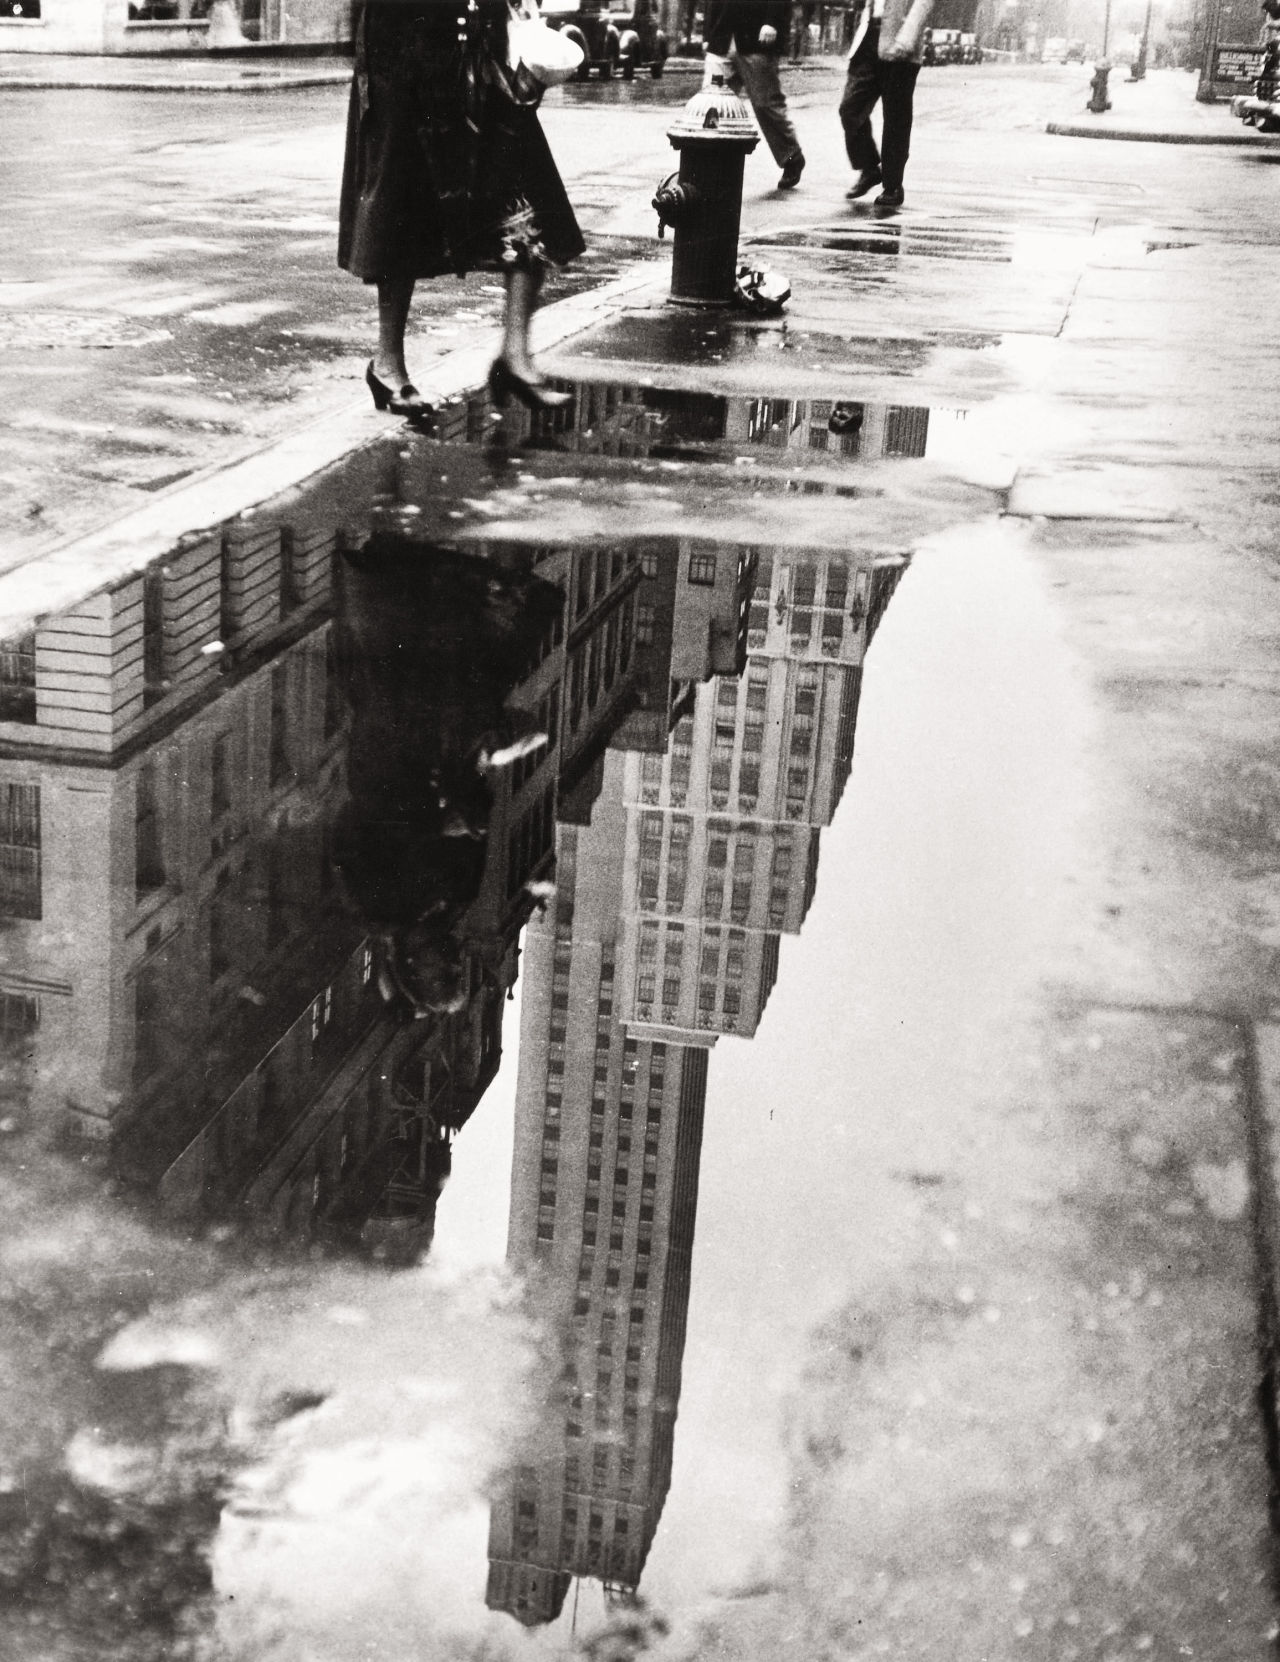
(549, 56)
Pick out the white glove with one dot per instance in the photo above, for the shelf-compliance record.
(767, 35)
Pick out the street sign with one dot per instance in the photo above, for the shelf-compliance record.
(1239, 66)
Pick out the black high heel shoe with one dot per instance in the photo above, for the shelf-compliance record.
(534, 393)
(407, 402)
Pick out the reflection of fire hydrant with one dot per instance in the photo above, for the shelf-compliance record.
(714, 134)
(1099, 103)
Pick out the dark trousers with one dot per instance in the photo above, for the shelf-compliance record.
(891, 83)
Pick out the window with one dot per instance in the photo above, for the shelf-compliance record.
(321, 1015)
(333, 705)
(148, 843)
(18, 1014)
(18, 669)
(20, 874)
(27, 10)
(702, 569)
(219, 938)
(220, 776)
(149, 995)
(281, 761)
(646, 616)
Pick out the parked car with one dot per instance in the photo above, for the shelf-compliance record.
(1055, 50)
(942, 46)
(641, 43)
(1075, 52)
(613, 42)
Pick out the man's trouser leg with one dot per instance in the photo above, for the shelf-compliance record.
(758, 73)
(861, 93)
(897, 95)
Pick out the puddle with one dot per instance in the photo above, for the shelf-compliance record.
(384, 878)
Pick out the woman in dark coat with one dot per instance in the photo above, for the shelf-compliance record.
(447, 170)
(430, 644)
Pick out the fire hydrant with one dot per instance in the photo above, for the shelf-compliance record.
(714, 134)
(1099, 103)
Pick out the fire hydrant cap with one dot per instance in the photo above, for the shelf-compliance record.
(716, 115)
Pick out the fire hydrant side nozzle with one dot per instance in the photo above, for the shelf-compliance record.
(713, 134)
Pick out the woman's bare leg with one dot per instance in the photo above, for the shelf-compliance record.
(395, 295)
(523, 283)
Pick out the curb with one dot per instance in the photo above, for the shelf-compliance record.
(1129, 135)
(677, 68)
(17, 83)
(52, 578)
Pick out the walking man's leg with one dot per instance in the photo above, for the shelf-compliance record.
(861, 93)
(898, 102)
(758, 72)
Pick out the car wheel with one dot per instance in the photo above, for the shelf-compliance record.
(656, 68)
(607, 69)
(628, 69)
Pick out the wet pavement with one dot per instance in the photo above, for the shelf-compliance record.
(880, 950)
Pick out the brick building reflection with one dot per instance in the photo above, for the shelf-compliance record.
(664, 932)
(181, 977)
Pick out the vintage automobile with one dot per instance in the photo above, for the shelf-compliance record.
(641, 43)
(942, 46)
(612, 42)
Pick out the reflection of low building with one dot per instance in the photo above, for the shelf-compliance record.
(633, 421)
(179, 960)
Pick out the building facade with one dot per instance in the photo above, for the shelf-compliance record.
(149, 27)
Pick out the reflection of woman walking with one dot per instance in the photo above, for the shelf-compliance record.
(447, 170)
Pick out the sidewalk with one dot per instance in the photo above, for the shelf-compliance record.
(1160, 109)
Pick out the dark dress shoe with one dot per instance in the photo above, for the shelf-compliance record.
(535, 392)
(791, 173)
(888, 200)
(407, 402)
(866, 182)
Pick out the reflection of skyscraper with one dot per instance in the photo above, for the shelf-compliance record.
(723, 831)
(663, 933)
(604, 1194)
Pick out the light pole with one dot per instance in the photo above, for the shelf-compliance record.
(1138, 69)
